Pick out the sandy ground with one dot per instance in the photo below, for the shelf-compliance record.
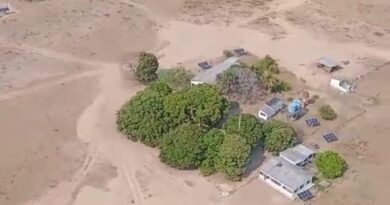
(61, 83)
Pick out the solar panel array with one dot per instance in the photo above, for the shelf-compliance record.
(204, 65)
(306, 195)
(313, 122)
(330, 137)
(239, 51)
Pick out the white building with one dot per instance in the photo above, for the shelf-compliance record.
(270, 108)
(285, 177)
(341, 85)
(209, 76)
(299, 155)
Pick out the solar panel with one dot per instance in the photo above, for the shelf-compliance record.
(204, 65)
(330, 137)
(313, 122)
(239, 51)
(306, 195)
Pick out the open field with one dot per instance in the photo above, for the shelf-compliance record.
(61, 83)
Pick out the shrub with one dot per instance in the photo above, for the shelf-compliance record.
(240, 83)
(181, 148)
(210, 144)
(330, 164)
(200, 104)
(266, 64)
(281, 86)
(327, 113)
(146, 69)
(278, 136)
(250, 128)
(177, 78)
(228, 53)
(233, 157)
(143, 117)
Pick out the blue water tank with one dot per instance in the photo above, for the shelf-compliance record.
(295, 106)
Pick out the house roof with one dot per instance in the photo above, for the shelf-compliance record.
(296, 154)
(271, 105)
(327, 62)
(210, 75)
(286, 173)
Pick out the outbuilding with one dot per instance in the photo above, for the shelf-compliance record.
(327, 64)
(299, 155)
(270, 108)
(285, 177)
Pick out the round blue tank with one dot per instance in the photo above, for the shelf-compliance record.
(295, 106)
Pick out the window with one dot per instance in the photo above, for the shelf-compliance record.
(301, 186)
(261, 173)
(287, 189)
(262, 114)
(276, 182)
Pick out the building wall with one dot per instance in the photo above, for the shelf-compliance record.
(291, 195)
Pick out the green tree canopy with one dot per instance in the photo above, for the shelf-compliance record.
(249, 128)
(143, 117)
(278, 136)
(146, 70)
(266, 64)
(330, 164)
(211, 143)
(233, 157)
(177, 78)
(200, 104)
(181, 148)
(240, 83)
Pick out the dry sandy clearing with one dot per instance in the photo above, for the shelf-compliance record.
(61, 83)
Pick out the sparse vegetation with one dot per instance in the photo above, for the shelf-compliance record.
(330, 164)
(240, 83)
(146, 69)
(177, 78)
(327, 112)
(267, 69)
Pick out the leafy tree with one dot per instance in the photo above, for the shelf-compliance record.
(161, 88)
(146, 69)
(177, 78)
(143, 117)
(228, 53)
(249, 128)
(330, 164)
(211, 143)
(200, 104)
(327, 112)
(240, 83)
(181, 148)
(233, 157)
(266, 64)
(278, 136)
(280, 86)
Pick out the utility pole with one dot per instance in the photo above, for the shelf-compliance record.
(239, 121)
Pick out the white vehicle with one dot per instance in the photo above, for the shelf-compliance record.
(341, 85)
(270, 108)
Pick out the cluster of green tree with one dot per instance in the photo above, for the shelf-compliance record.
(266, 69)
(185, 124)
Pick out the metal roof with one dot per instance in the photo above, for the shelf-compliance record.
(286, 173)
(209, 76)
(271, 105)
(327, 62)
(296, 154)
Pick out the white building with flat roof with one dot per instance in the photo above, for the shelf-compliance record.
(285, 177)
